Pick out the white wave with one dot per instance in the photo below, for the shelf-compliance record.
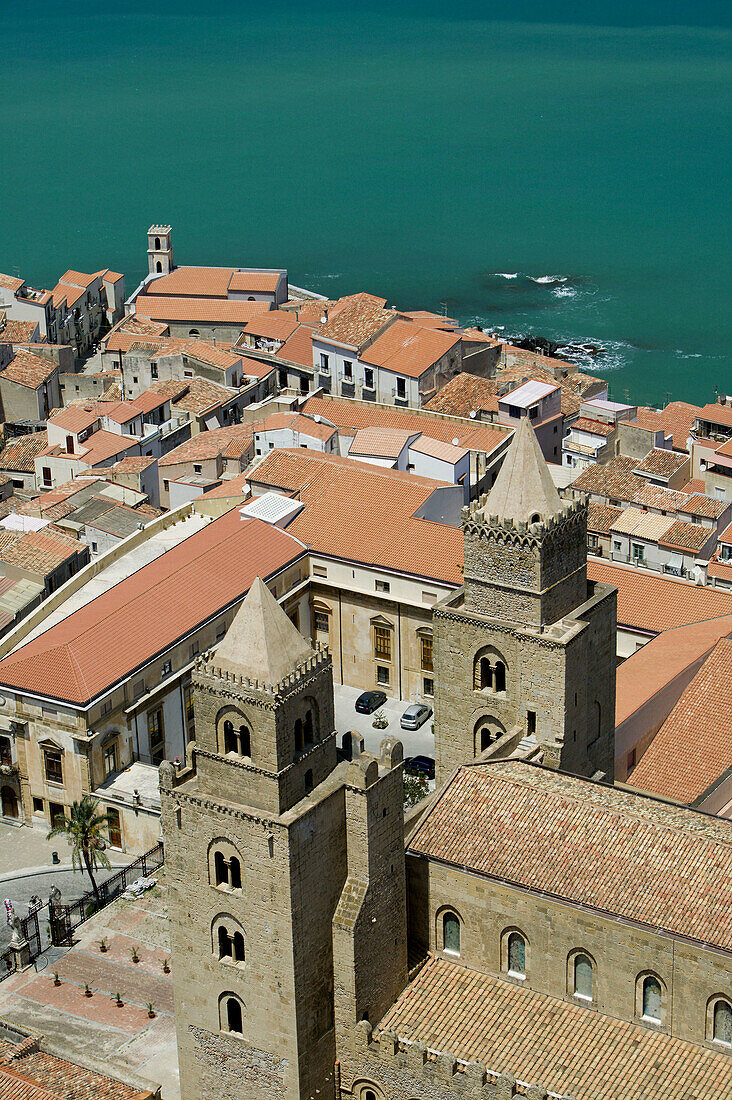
(565, 292)
(549, 278)
(687, 354)
(505, 275)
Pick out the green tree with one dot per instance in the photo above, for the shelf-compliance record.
(415, 789)
(83, 829)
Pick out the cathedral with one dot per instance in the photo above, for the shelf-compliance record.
(525, 931)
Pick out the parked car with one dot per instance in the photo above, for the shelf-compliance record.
(420, 765)
(415, 716)
(369, 701)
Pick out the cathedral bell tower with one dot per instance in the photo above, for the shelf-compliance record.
(255, 863)
(526, 649)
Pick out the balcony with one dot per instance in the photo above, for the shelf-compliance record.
(348, 387)
(368, 393)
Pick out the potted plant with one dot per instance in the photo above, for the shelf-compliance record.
(87, 990)
(56, 979)
(118, 1001)
(135, 956)
(103, 946)
(380, 721)
(151, 1010)
(166, 966)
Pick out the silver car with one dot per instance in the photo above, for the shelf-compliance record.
(415, 716)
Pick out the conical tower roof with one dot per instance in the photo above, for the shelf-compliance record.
(524, 486)
(262, 643)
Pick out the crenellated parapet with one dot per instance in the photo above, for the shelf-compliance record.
(479, 523)
(208, 675)
(433, 1073)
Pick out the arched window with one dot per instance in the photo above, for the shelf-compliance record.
(369, 1094)
(157, 244)
(308, 727)
(237, 943)
(224, 943)
(487, 731)
(651, 998)
(451, 934)
(486, 739)
(308, 781)
(231, 743)
(251, 298)
(245, 741)
(234, 1020)
(159, 268)
(536, 518)
(516, 955)
(582, 975)
(722, 1022)
(499, 677)
(298, 735)
(234, 873)
(486, 675)
(193, 332)
(222, 871)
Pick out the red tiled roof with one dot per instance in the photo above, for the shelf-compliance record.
(698, 504)
(409, 349)
(203, 310)
(230, 442)
(350, 416)
(31, 1074)
(652, 603)
(41, 552)
(27, 369)
(11, 282)
(601, 517)
(716, 414)
(20, 452)
(661, 463)
(676, 420)
(375, 509)
(568, 1048)
(298, 348)
(276, 325)
(143, 615)
(594, 427)
(694, 745)
(658, 866)
(686, 536)
(362, 317)
(75, 418)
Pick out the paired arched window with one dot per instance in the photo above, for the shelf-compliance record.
(516, 955)
(237, 739)
(487, 731)
(490, 672)
(226, 871)
(230, 942)
(582, 975)
(231, 1013)
(451, 933)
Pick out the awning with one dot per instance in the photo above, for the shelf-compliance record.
(675, 561)
(212, 423)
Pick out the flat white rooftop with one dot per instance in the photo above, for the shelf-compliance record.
(274, 508)
(528, 394)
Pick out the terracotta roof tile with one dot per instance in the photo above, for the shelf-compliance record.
(76, 418)
(230, 442)
(594, 427)
(380, 442)
(409, 349)
(298, 348)
(20, 452)
(196, 395)
(49, 1076)
(661, 463)
(686, 536)
(350, 416)
(296, 422)
(41, 551)
(569, 1049)
(204, 310)
(612, 841)
(677, 765)
(254, 282)
(698, 504)
(16, 332)
(27, 369)
(601, 517)
(11, 282)
(276, 325)
(362, 318)
(375, 509)
(213, 282)
(143, 615)
(676, 420)
(652, 603)
(716, 414)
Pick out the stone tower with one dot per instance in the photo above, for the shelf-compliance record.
(527, 647)
(268, 835)
(160, 250)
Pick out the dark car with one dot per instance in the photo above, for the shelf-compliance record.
(415, 716)
(369, 701)
(420, 765)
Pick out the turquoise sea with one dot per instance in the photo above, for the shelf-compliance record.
(560, 168)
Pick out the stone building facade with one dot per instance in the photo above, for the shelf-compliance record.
(526, 647)
(324, 951)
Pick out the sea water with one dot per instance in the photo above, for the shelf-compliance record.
(556, 168)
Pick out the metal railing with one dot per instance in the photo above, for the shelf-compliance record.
(64, 919)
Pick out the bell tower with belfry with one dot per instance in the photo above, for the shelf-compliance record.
(525, 651)
(160, 250)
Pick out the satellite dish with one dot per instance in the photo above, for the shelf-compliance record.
(473, 414)
(316, 418)
(454, 442)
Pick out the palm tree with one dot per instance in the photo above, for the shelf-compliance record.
(83, 830)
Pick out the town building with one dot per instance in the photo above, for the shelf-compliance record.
(29, 383)
(541, 402)
(209, 455)
(503, 970)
